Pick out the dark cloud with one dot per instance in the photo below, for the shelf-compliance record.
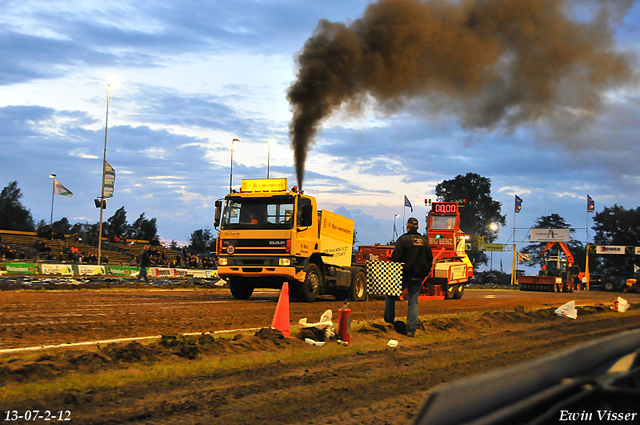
(17, 122)
(499, 62)
(26, 57)
(196, 111)
(143, 34)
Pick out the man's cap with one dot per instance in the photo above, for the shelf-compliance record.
(413, 220)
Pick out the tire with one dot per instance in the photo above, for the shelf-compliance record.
(449, 291)
(358, 289)
(309, 289)
(608, 286)
(459, 291)
(240, 288)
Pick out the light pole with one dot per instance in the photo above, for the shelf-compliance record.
(111, 81)
(231, 172)
(53, 195)
(270, 142)
(493, 227)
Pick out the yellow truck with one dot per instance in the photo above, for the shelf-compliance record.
(270, 234)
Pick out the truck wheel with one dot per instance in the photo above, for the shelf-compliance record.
(449, 291)
(240, 288)
(458, 292)
(358, 288)
(311, 285)
(608, 286)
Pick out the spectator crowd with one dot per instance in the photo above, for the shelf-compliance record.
(42, 251)
(183, 260)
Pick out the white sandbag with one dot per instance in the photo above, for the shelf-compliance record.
(324, 323)
(567, 310)
(620, 305)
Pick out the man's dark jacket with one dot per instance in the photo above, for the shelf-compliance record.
(145, 259)
(414, 251)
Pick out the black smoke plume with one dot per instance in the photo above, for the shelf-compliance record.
(492, 62)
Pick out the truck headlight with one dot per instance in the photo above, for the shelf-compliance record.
(222, 261)
(284, 261)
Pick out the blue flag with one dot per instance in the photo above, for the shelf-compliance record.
(591, 205)
(518, 204)
(407, 203)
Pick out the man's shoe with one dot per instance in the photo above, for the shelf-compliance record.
(400, 327)
(411, 334)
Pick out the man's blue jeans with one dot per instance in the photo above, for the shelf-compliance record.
(143, 273)
(413, 292)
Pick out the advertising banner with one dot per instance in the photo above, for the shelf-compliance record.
(21, 268)
(609, 249)
(202, 274)
(263, 185)
(164, 272)
(109, 179)
(550, 235)
(492, 247)
(63, 269)
(122, 271)
(182, 272)
(84, 270)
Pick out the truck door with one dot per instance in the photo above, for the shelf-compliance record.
(306, 231)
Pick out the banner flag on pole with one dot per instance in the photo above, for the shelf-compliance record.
(518, 204)
(591, 205)
(109, 179)
(407, 203)
(523, 258)
(61, 190)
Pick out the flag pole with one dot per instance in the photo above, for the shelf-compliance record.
(104, 162)
(513, 266)
(53, 196)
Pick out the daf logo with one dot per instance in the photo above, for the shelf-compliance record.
(278, 243)
(231, 249)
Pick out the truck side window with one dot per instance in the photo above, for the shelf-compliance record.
(304, 212)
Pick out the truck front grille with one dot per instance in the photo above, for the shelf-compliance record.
(257, 246)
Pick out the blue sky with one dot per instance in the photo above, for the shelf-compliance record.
(194, 75)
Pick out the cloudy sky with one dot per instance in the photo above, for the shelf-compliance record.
(196, 74)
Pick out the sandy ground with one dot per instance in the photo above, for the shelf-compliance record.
(236, 373)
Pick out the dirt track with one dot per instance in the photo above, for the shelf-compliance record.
(263, 379)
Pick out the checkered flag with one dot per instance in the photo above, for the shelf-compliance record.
(384, 278)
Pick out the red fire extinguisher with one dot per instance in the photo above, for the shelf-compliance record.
(344, 324)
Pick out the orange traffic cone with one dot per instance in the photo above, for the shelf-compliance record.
(281, 318)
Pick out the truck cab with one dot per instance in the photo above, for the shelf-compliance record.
(452, 268)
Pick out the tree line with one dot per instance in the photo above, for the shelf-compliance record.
(14, 216)
(612, 226)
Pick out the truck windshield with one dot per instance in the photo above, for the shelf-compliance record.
(258, 213)
(442, 222)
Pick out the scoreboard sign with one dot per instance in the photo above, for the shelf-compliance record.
(449, 208)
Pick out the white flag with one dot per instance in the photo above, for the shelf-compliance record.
(60, 189)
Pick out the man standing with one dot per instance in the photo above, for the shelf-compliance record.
(145, 261)
(414, 251)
